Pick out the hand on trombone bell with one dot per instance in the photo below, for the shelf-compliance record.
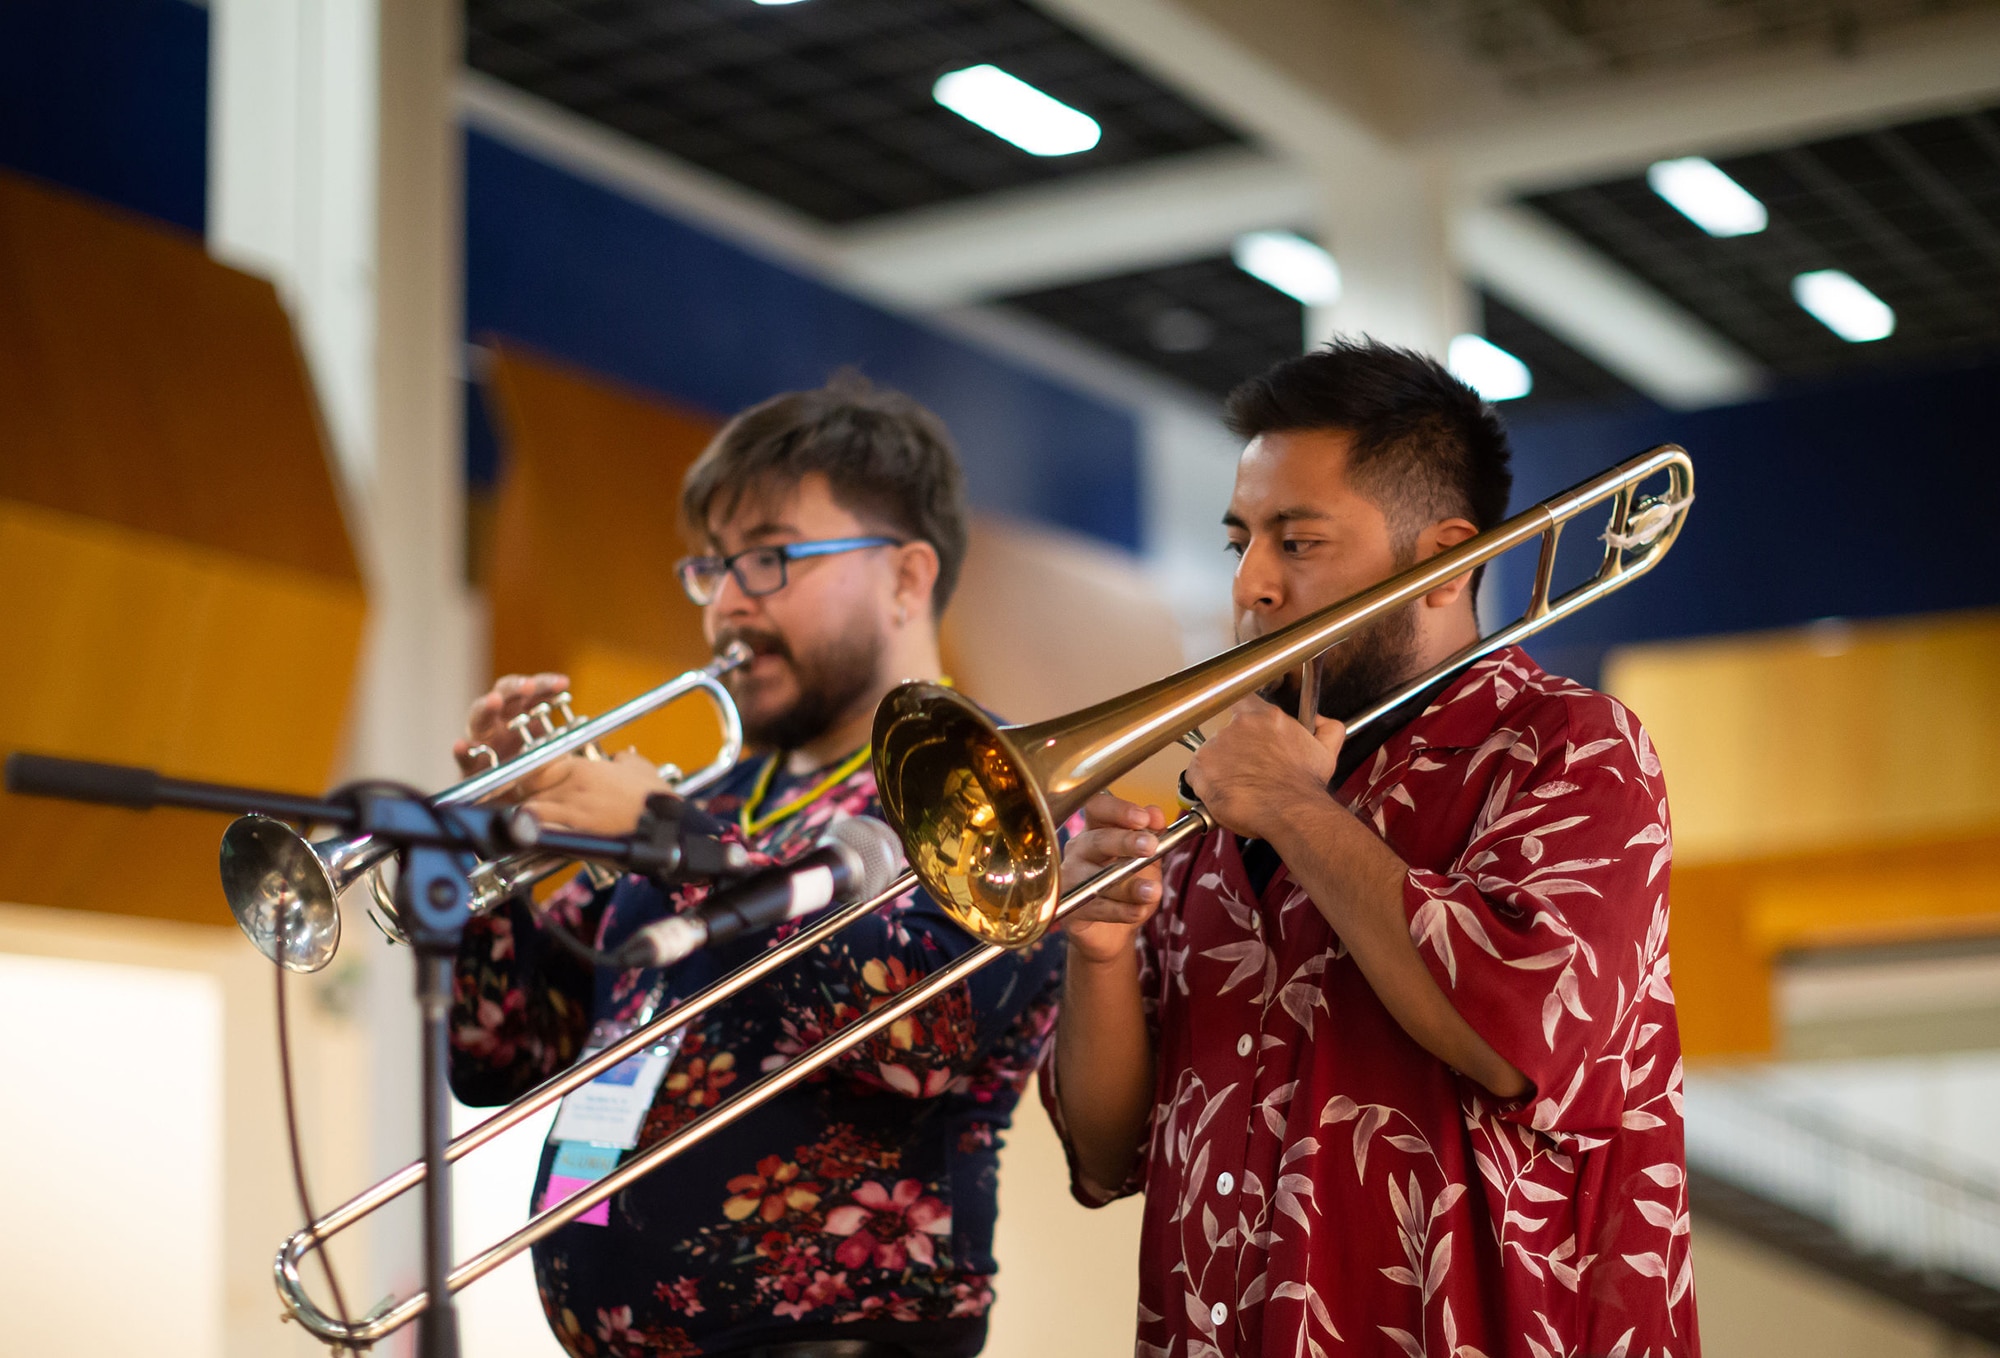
(581, 794)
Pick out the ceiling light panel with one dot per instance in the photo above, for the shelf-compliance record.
(1702, 193)
(1488, 369)
(1291, 264)
(1013, 110)
(1839, 302)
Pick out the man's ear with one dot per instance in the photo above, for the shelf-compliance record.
(1442, 536)
(916, 577)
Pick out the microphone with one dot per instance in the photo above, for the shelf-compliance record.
(858, 857)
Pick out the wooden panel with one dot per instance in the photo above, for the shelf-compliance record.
(1831, 786)
(1821, 736)
(1045, 622)
(176, 584)
(585, 534)
(132, 647)
(146, 385)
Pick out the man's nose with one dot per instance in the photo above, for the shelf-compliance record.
(731, 603)
(1259, 585)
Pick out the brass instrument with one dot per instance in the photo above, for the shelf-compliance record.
(977, 805)
(271, 873)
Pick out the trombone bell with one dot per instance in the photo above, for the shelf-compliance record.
(275, 879)
(972, 812)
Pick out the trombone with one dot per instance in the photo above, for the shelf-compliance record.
(272, 873)
(977, 805)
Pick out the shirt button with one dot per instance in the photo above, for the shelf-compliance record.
(1243, 1045)
(1218, 1313)
(1225, 1183)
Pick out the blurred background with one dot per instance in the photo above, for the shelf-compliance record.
(351, 352)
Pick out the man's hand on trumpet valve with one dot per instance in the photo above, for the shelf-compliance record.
(486, 722)
(593, 796)
(1114, 830)
(587, 796)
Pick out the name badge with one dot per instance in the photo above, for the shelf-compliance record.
(602, 1120)
(610, 1110)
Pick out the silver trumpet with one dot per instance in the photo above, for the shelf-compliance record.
(276, 879)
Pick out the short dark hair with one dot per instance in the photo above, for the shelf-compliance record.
(1426, 447)
(889, 462)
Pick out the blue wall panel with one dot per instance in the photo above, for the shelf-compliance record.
(109, 97)
(1867, 497)
(593, 278)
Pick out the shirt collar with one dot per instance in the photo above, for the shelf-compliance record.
(1464, 715)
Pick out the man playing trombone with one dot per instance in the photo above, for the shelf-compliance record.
(1392, 1053)
(853, 1215)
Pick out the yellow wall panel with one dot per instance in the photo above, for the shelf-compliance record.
(1831, 786)
(135, 648)
(1813, 738)
(585, 536)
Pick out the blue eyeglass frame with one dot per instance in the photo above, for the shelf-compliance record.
(788, 552)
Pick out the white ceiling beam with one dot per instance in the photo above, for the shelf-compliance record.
(1091, 227)
(1601, 310)
(1947, 63)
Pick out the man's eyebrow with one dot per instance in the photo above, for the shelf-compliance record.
(1289, 514)
(775, 528)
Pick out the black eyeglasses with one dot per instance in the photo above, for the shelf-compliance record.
(760, 570)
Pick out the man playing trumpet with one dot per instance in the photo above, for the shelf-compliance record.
(1392, 1053)
(852, 1216)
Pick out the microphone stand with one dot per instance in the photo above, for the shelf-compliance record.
(434, 896)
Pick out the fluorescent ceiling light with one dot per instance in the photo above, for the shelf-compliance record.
(1014, 110)
(1488, 369)
(1843, 306)
(1708, 197)
(777, 2)
(1291, 264)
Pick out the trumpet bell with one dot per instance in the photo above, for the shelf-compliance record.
(275, 879)
(971, 813)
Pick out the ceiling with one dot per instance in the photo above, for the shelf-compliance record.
(827, 107)
(1541, 45)
(1912, 211)
(1207, 324)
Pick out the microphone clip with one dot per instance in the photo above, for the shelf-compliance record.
(671, 853)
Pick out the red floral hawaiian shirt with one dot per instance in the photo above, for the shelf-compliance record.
(1316, 1183)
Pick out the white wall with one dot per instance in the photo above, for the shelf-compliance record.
(112, 1194)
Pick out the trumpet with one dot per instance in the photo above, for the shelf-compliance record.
(274, 878)
(977, 805)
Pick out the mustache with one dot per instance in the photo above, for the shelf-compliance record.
(761, 641)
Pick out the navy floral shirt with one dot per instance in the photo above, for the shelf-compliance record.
(860, 1204)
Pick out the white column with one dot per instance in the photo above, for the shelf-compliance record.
(291, 191)
(1385, 217)
(335, 171)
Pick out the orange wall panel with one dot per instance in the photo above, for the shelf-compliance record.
(176, 584)
(585, 535)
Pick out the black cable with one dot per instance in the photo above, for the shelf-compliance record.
(576, 947)
(292, 1136)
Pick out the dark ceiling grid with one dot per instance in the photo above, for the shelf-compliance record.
(1538, 45)
(1913, 212)
(826, 106)
(1204, 322)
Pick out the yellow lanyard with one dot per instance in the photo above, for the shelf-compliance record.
(752, 824)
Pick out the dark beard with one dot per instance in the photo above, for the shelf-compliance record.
(830, 684)
(1359, 670)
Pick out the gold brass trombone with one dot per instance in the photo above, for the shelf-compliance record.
(272, 873)
(977, 805)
